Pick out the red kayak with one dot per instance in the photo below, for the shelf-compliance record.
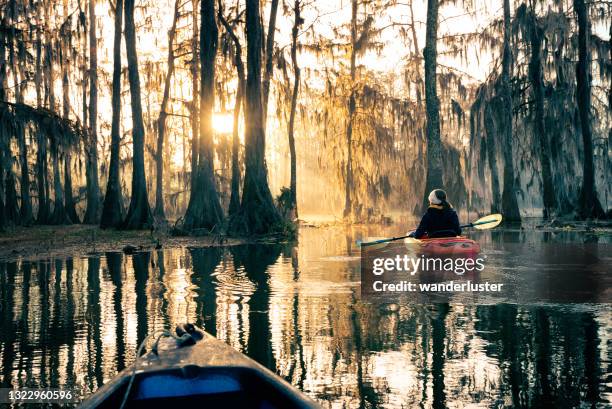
(448, 246)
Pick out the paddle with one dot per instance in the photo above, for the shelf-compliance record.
(484, 223)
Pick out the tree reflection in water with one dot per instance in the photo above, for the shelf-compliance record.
(297, 311)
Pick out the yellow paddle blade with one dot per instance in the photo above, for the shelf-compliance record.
(488, 222)
(411, 240)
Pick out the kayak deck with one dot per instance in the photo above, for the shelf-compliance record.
(208, 374)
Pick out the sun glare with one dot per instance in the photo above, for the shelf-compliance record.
(223, 123)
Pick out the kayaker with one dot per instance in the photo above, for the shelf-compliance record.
(440, 220)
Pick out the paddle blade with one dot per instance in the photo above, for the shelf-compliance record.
(488, 222)
(370, 242)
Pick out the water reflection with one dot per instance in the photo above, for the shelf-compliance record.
(297, 310)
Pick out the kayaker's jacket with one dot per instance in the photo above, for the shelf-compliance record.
(438, 222)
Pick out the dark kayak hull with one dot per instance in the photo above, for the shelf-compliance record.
(209, 374)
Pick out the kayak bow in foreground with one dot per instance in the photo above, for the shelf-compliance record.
(206, 374)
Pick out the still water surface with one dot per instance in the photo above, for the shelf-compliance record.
(297, 310)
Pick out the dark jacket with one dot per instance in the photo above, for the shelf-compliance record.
(438, 222)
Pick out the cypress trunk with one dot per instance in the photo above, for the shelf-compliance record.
(269, 60)
(41, 141)
(234, 204)
(195, 102)
(491, 131)
(432, 104)
(3, 221)
(92, 212)
(204, 210)
(590, 207)
(59, 210)
(257, 214)
(296, 87)
(11, 210)
(112, 210)
(25, 212)
(3, 133)
(41, 177)
(161, 122)
(69, 205)
(348, 204)
(509, 203)
(139, 213)
(536, 77)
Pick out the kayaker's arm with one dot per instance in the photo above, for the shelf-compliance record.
(423, 227)
(456, 225)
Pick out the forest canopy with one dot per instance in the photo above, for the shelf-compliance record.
(230, 116)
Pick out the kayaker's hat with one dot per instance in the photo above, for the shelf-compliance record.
(437, 196)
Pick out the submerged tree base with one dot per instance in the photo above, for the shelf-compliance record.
(259, 217)
(204, 210)
(139, 215)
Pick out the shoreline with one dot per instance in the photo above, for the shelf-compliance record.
(36, 242)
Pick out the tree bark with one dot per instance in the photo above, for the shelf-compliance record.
(112, 210)
(161, 122)
(84, 71)
(41, 176)
(257, 214)
(419, 79)
(92, 212)
(195, 105)
(11, 210)
(25, 211)
(139, 213)
(69, 205)
(434, 178)
(590, 207)
(491, 131)
(537, 83)
(43, 214)
(509, 204)
(348, 204)
(59, 215)
(234, 204)
(269, 59)
(3, 133)
(297, 22)
(204, 210)
(3, 220)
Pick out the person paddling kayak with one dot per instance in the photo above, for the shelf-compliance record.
(440, 220)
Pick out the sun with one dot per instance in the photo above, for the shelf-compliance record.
(223, 123)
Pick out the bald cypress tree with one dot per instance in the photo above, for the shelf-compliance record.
(590, 207)
(509, 203)
(257, 214)
(139, 214)
(112, 210)
(204, 210)
(432, 103)
(92, 212)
